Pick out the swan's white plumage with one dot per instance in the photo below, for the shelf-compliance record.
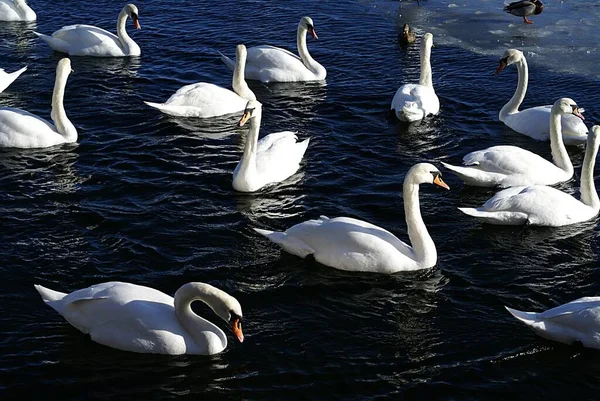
(274, 64)
(88, 40)
(542, 205)
(534, 122)
(354, 245)
(141, 319)
(16, 10)
(413, 102)
(8, 78)
(272, 159)
(577, 321)
(508, 166)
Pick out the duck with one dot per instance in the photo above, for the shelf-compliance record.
(8, 78)
(534, 122)
(524, 8)
(540, 205)
(204, 100)
(354, 245)
(273, 159)
(135, 318)
(508, 166)
(16, 10)
(407, 36)
(21, 129)
(413, 102)
(88, 40)
(274, 64)
(576, 322)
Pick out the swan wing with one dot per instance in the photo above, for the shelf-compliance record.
(413, 102)
(19, 128)
(7, 79)
(279, 155)
(508, 160)
(274, 64)
(81, 40)
(535, 123)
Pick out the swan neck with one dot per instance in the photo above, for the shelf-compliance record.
(425, 78)
(194, 324)
(305, 56)
(421, 242)
(515, 101)
(63, 125)
(560, 156)
(240, 87)
(589, 196)
(248, 162)
(126, 42)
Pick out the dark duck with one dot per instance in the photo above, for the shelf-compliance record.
(525, 8)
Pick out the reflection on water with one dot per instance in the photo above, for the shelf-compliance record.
(273, 202)
(18, 35)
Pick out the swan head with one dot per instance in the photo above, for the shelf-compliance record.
(509, 57)
(240, 52)
(306, 23)
(230, 310)
(63, 66)
(132, 12)
(426, 173)
(426, 42)
(594, 133)
(253, 108)
(566, 106)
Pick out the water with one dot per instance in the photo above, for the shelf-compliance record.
(147, 198)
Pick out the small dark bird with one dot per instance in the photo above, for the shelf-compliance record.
(407, 36)
(524, 8)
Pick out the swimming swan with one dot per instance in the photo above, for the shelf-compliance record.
(16, 10)
(141, 319)
(7, 79)
(508, 166)
(546, 206)
(274, 158)
(208, 100)
(413, 102)
(20, 129)
(88, 40)
(534, 122)
(575, 322)
(274, 64)
(355, 245)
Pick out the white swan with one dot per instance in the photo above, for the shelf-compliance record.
(534, 122)
(141, 319)
(274, 64)
(546, 206)
(274, 158)
(509, 166)
(575, 322)
(88, 40)
(6, 79)
(413, 102)
(20, 129)
(16, 10)
(208, 100)
(354, 245)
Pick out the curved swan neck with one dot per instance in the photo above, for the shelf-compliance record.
(193, 323)
(58, 114)
(239, 83)
(127, 43)
(421, 242)
(425, 56)
(589, 196)
(560, 156)
(515, 101)
(305, 56)
(248, 162)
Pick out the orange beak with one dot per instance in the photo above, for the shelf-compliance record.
(313, 33)
(244, 119)
(578, 113)
(236, 326)
(438, 181)
(501, 67)
(136, 23)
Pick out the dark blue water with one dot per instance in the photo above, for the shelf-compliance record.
(146, 198)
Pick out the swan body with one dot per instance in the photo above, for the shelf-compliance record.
(16, 10)
(575, 322)
(274, 64)
(205, 100)
(354, 245)
(88, 40)
(8, 78)
(413, 102)
(509, 166)
(274, 158)
(525, 8)
(534, 122)
(141, 319)
(20, 129)
(545, 206)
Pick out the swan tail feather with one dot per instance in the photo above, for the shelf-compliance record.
(49, 295)
(16, 74)
(497, 217)
(289, 243)
(165, 108)
(473, 176)
(526, 317)
(228, 62)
